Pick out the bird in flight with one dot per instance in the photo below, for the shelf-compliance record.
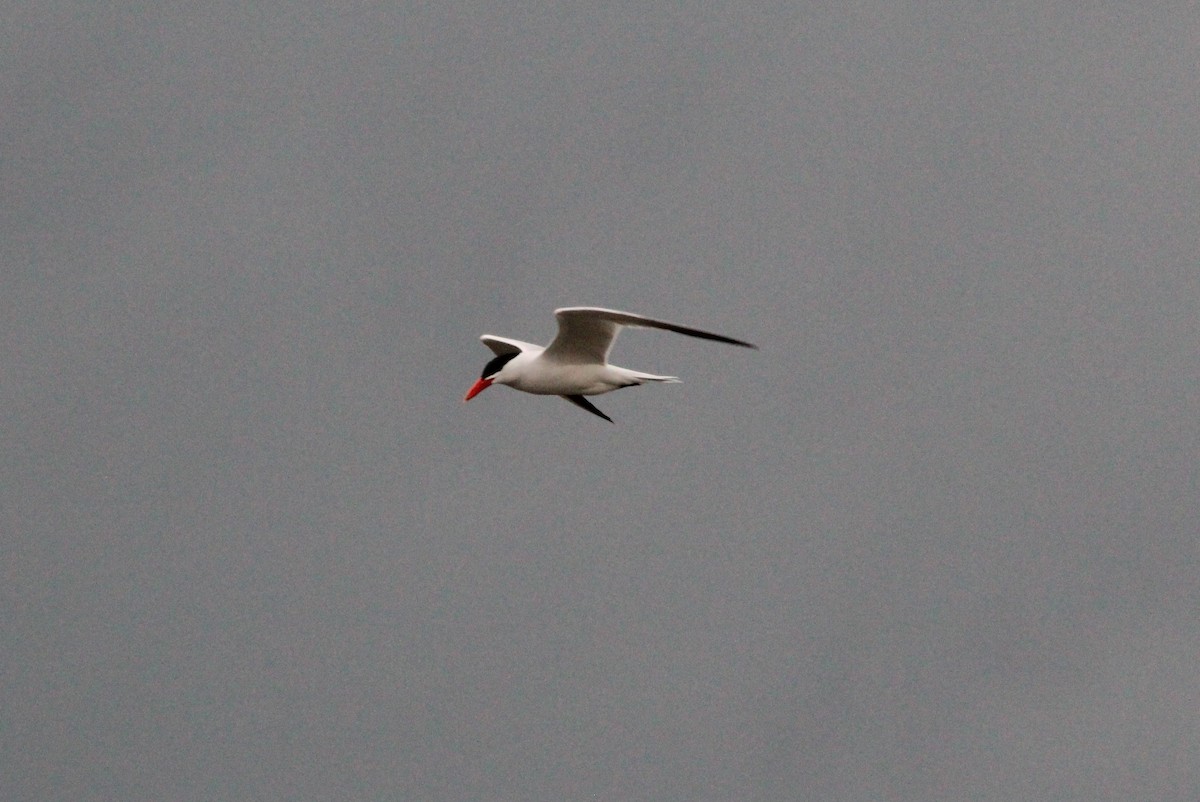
(575, 364)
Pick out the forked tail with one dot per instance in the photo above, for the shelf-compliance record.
(650, 377)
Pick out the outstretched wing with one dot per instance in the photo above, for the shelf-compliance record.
(583, 403)
(503, 345)
(586, 333)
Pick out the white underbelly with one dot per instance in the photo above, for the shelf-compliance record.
(547, 378)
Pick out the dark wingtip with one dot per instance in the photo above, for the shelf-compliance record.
(720, 338)
(583, 403)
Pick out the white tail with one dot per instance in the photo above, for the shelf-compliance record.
(650, 377)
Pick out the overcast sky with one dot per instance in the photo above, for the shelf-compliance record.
(936, 540)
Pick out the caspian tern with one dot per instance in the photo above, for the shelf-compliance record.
(575, 364)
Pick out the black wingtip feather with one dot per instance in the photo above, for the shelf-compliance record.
(583, 403)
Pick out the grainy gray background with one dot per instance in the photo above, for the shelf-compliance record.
(937, 540)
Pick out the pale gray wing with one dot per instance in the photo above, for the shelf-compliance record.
(585, 336)
(586, 333)
(503, 345)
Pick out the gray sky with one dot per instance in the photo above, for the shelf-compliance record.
(937, 540)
